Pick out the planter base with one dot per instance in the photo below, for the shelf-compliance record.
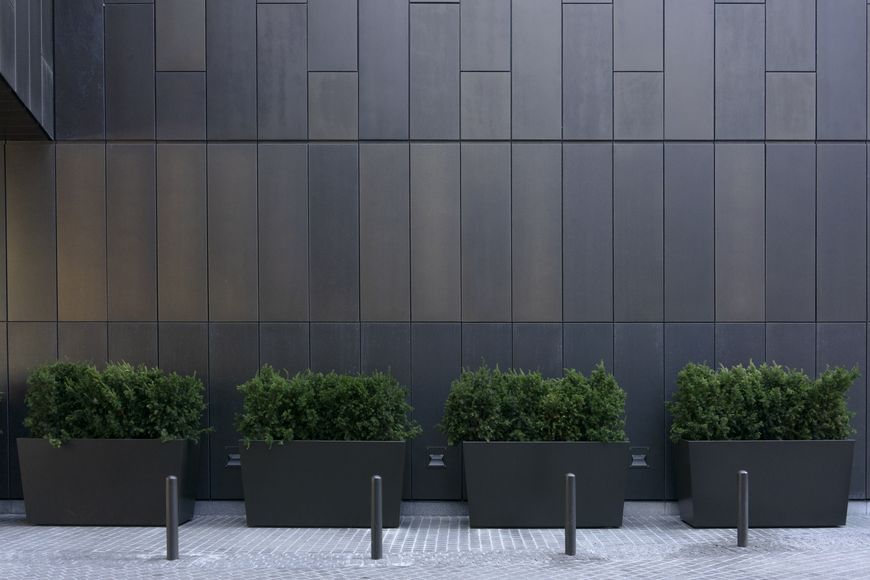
(791, 483)
(105, 482)
(323, 484)
(521, 485)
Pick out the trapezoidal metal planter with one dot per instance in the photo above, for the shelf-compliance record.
(323, 484)
(105, 482)
(791, 483)
(521, 485)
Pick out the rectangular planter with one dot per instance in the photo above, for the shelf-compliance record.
(521, 485)
(321, 483)
(791, 483)
(105, 482)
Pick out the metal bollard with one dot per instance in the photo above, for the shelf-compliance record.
(570, 515)
(377, 519)
(172, 518)
(742, 509)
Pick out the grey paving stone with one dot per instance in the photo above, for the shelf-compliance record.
(653, 546)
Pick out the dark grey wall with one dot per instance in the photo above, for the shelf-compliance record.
(27, 67)
(419, 185)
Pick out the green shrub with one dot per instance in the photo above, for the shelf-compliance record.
(493, 405)
(70, 400)
(767, 401)
(324, 407)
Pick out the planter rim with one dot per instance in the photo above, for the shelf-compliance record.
(353, 441)
(549, 442)
(766, 440)
(194, 441)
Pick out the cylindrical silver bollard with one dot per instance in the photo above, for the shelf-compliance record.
(570, 515)
(742, 509)
(377, 519)
(172, 518)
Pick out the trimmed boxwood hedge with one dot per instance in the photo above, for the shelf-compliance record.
(756, 402)
(493, 405)
(324, 407)
(73, 400)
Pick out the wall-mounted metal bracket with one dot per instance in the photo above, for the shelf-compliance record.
(436, 457)
(639, 456)
(234, 458)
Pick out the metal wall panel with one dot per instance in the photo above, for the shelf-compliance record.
(282, 71)
(538, 347)
(486, 35)
(3, 247)
(536, 69)
(4, 410)
(133, 342)
(434, 71)
(131, 238)
(536, 232)
(739, 232)
(587, 236)
(845, 345)
(31, 258)
(233, 358)
(791, 35)
(587, 71)
(684, 343)
(637, 35)
(282, 203)
(639, 368)
(385, 255)
(183, 348)
(689, 61)
(689, 244)
(841, 53)
(81, 232)
(182, 248)
(232, 228)
(740, 343)
(435, 361)
(486, 232)
(332, 105)
(386, 348)
(284, 346)
(739, 71)
(487, 343)
(791, 106)
(82, 341)
(333, 194)
(790, 242)
(181, 105)
(383, 69)
(638, 236)
(792, 344)
(638, 107)
(180, 35)
(79, 70)
(231, 45)
(486, 105)
(841, 232)
(332, 35)
(587, 344)
(435, 232)
(335, 346)
(30, 344)
(130, 72)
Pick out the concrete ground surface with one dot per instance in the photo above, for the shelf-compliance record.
(221, 546)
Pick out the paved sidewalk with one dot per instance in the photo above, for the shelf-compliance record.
(432, 547)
